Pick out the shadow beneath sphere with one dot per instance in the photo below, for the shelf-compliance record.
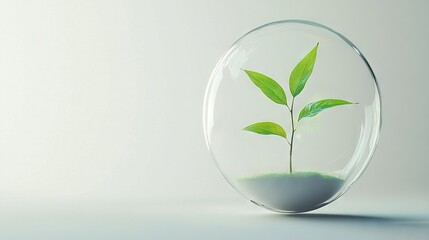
(346, 219)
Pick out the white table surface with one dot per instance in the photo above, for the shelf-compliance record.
(192, 219)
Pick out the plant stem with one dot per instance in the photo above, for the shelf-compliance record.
(293, 133)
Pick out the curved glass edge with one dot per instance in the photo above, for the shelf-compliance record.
(208, 116)
(289, 211)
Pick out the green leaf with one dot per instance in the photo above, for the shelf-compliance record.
(302, 71)
(312, 109)
(268, 86)
(266, 128)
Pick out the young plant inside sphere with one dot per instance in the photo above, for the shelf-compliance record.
(274, 91)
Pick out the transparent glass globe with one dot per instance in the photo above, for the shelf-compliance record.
(331, 94)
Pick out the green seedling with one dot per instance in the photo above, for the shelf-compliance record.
(297, 81)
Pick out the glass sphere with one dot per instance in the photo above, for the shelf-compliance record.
(292, 115)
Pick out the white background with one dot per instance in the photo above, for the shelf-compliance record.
(102, 100)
